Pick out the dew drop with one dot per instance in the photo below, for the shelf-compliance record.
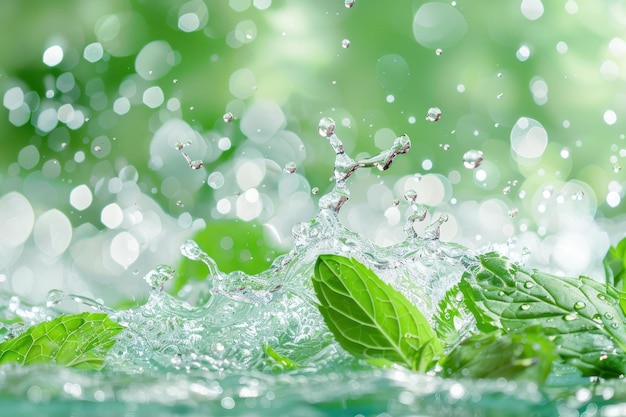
(570, 316)
(348, 4)
(513, 212)
(434, 114)
(597, 318)
(529, 284)
(326, 127)
(501, 293)
(472, 159)
(345, 43)
(602, 297)
(290, 167)
(608, 316)
(228, 117)
(525, 307)
(614, 325)
(579, 305)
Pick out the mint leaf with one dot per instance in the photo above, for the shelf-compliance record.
(369, 318)
(281, 361)
(582, 316)
(80, 340)
(526, 355)
(615, 264)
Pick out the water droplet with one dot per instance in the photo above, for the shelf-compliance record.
(617, 168)
(410, 196)
(395, 202)
(315, 190)
(499, 75)
(500, 95)
(602, 297)
(434, 114)
(97, 148)
(529, 284)
(506, 190)
(445, 146)
(472, 159)
(54, 297)
(175, 80)
(228, 117)
(501, 293)
(597, 318)
(579, 305)
(179, 203)
(614, 325)
(513, 212)
(608, 316)
(348, 4)
(578, 196)
(570, 316)
(345, 43)
(196, 164)
(290, 167)
(438, 51)
(326, 127)
(525, 307)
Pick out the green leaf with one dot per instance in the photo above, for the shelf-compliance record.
(80, 340)
(615, 264)
(525, 355)
(369, 318)
(582, 316)
(283, 362)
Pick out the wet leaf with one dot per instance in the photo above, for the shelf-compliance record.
(80, 340)
(369, 318)
(582, 316)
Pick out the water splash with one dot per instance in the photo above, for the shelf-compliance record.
(222, 322)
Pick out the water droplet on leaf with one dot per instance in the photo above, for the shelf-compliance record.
(525, 307)
(579, 305)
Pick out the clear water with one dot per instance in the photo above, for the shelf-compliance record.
(202, 351)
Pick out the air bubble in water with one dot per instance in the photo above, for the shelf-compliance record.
(326, 127)
(290, 167)
(434, 114)
(472, 159)
(348, 4)
(345, 43)
(228, 117)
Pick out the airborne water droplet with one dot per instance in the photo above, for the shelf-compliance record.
(315, 190)
(196, 164)
(506, 190)
(228, 117)
(513, 212)
(617, 168)
(434, 114)
(472, 159)
(326, 127)
(348, 4)
(345, 43)
(290, 167)
(438, 51)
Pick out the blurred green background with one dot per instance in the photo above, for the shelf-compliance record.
(98, 96)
